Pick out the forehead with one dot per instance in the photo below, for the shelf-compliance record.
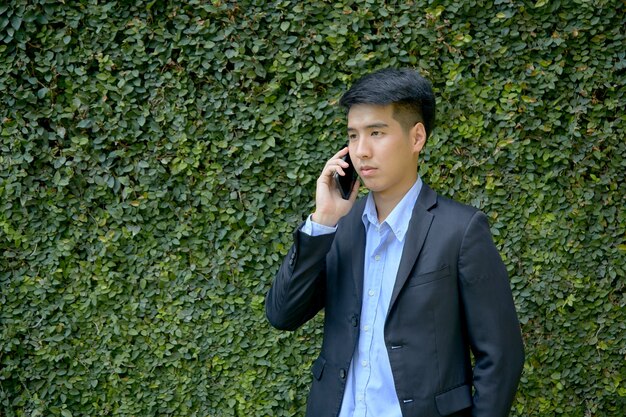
(365, 115)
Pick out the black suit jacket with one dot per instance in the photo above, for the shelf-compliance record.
(451, 297)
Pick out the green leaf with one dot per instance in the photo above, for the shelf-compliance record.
(16, 22)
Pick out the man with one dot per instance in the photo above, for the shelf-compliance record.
(411, 282)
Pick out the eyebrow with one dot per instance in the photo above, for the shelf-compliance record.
(371, 126)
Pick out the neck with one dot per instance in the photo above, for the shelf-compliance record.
(386, 202)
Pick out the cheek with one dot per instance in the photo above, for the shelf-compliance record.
(400, 163)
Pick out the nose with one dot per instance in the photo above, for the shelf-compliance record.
(361, 148)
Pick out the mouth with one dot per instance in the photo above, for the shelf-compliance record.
(367, 170)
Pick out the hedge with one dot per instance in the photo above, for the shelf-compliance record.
(156, 156)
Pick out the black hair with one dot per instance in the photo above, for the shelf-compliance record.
(411, 95)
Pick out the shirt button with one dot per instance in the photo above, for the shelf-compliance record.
(371, 293)
(364, 363)
(377, 257)
(366, 328)
(342, 373)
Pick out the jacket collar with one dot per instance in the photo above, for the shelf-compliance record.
(419, 225)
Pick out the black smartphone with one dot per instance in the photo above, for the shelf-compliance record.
(346, 182)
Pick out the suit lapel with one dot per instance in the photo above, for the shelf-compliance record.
(357, 251)
(419, 225)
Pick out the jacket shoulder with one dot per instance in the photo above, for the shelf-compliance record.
(444, 206)
(450, 206)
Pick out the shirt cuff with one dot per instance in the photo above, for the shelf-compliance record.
(315, 229)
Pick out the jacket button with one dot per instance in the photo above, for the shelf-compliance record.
(354, 320)
(342, 374)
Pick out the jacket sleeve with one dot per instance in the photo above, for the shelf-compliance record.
(299, 288)
(491, 321)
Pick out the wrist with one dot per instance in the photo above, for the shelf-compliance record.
(324, 220)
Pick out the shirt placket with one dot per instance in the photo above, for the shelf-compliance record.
(371, 314)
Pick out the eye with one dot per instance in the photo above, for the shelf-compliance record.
(376, 133)
(351, 136)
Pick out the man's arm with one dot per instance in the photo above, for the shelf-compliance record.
(492, 324)
(299, 289)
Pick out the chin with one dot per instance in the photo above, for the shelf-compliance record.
(373, 187)
(367, 184)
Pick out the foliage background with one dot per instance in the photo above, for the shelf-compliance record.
(156, 156)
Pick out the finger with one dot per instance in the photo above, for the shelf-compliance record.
(337, 159)
(335, 166)
(343, 152)
(338, 156)
(339, 170)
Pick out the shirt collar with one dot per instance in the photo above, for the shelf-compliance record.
(399, 218)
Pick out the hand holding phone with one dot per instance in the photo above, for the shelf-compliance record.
(334, 192)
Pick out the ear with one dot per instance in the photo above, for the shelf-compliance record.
(418, 136)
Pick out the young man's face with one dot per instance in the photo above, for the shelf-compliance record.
(383, 152)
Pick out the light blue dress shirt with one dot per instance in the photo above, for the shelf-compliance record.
(370, 390)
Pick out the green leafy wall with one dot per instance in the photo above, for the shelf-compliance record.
(155, 157)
